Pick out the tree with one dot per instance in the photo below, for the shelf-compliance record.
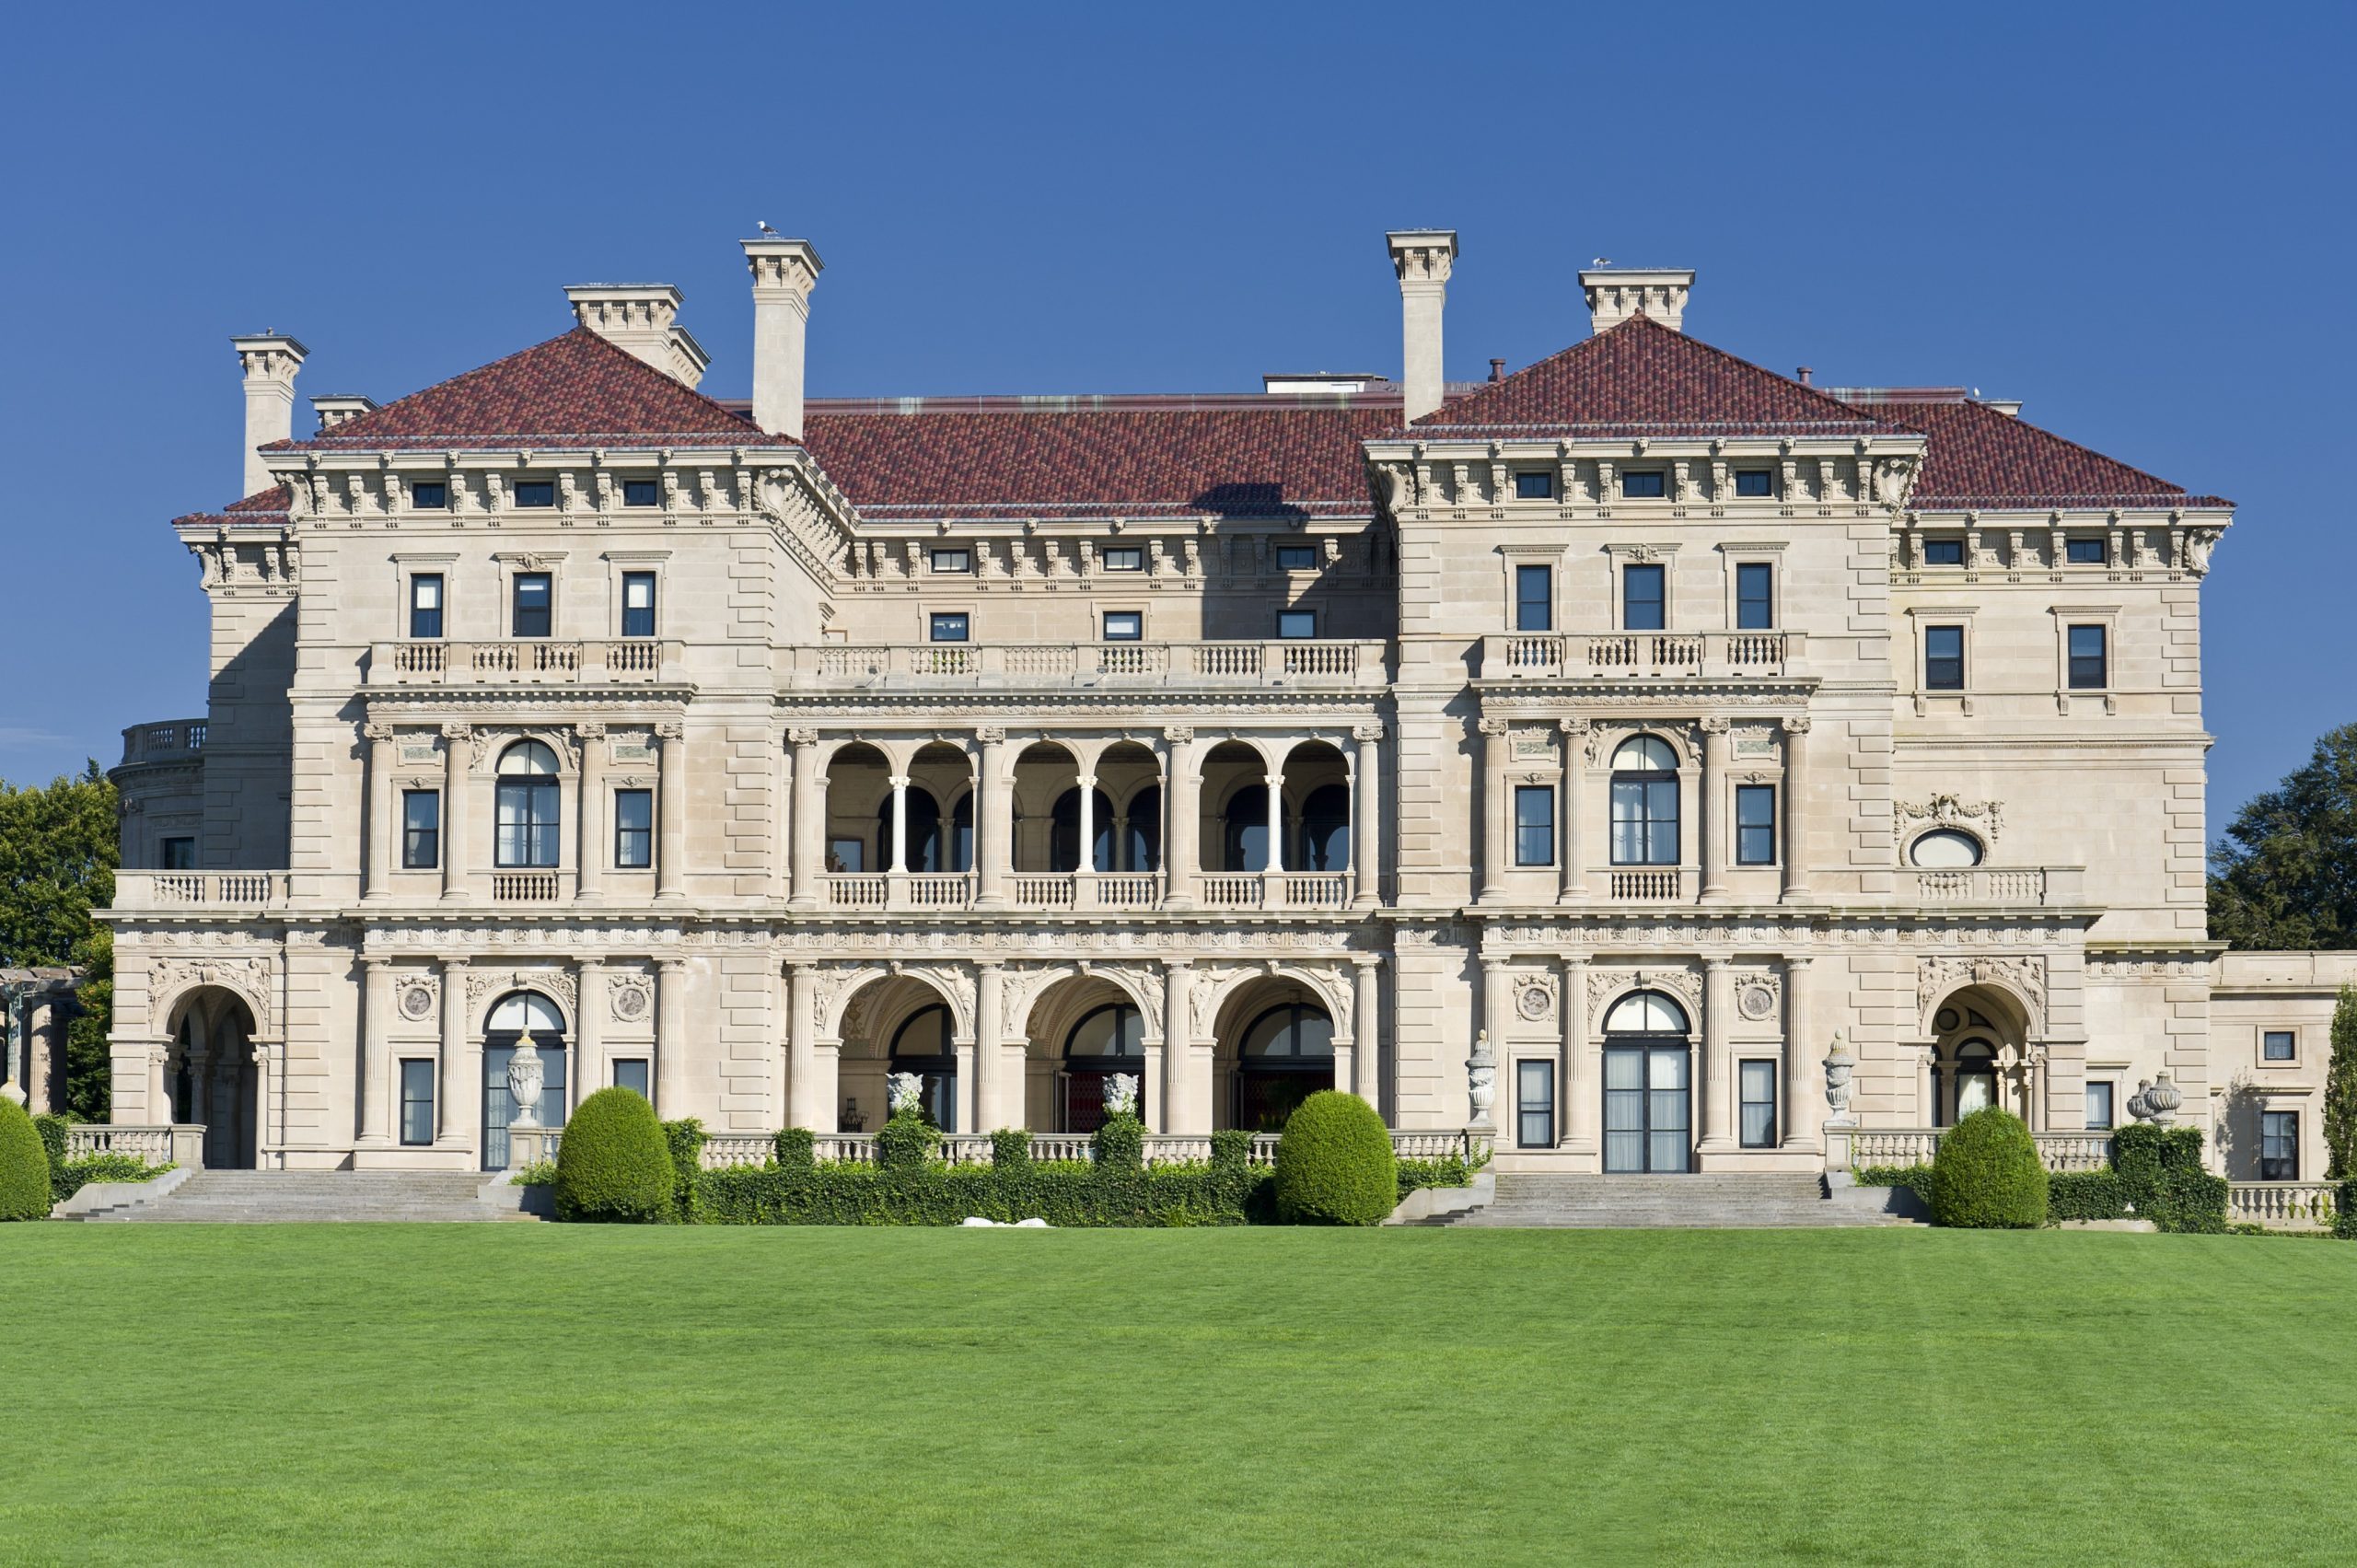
(58, 852)
(2340, 1090)
(2286, 875)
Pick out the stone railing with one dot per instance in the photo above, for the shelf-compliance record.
(524, 887)
(858, 889)
(522, 659)
(1232, 890)
(181, 1143)
(936, 890)
(1915, 1145)
(1052, 891)
(721, 1152)
(174, 741)
(199, 890)
(2028, 887)
(1283, 662)
(1645, 884)
(1571, 656)
(2283, 1205)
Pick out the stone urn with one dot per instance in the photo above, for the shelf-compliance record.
(1482, 1079)
(2140, 1104)
(1841, 1066)
(525, 1073)
(2163, 1098)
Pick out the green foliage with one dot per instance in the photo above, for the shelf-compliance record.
(1232, 1148)
(684, 1141)
(1335, 1164)
(2344, 1211)
(1916, 1178)
(2285, 876)
(2340, 1090)
(24, 1166)
(57, 864)
(1010, 1147)
(1986, 1175)
(1120, 1142)
(798, 1148)
(906, 1142)
(54, 1129)
(1449, 1170)
(539, 1173)
(70, 1177)
(614, 1163)
(1064, 1192)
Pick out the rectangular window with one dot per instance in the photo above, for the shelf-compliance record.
(2090, 659)
(178, 854)
(847, 856)
(1534, 824)
(1755, 824)
(1645, 484)
(1534, 1098)
(428, 496)
(1534, 599)
(1124, 558)
(533, 595)
(1754, 482)
(633, 829)
(630, 1073)
(1643, 608)
(421, 830)
(536, 493)
(1296, 558)
(1296, 623)
(642, 493)
(949, 626)
(425, 605)
(2275, 1045)
(1943, 552)
(638, 604)
(2098, 1107)
(2279, 1146)
(1755, 596)
(1532, 485)
(1757, 1081)
(417, 1101)
(1124, 625)
(954, 558)
(2087, 552)
(1944, 658)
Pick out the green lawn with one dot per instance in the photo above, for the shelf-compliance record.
(568, 1394)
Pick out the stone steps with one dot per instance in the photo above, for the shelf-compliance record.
(1700, 1202)
(249, 1197)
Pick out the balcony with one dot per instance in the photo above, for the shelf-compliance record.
(2003, 886)
(1660, 656)
(1291, 663)
(174, 741)
(732, 1151)
(530, 661)
(226, 891)
(1915, 1145)
(1090, 891)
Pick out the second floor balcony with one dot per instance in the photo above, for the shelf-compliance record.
(525, 661)
(1616, 655)
(1300, 663)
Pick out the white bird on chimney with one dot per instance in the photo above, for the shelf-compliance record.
(764, 227)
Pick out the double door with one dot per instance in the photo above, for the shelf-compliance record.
(1648, 1106)
(499, 1105)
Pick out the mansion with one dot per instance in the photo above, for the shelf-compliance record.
(1580, 757)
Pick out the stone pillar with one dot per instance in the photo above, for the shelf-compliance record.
(672, 1038)
(1367, 852)
(1572, 882)
(1796, 788)
(1086, 866)
(1367, 1080)
(671, 791)
(159, 1090)
(1927, 1104)
(899, 863)
(1422, 260)
(1710, 1086)
(375, 1050)
(1182, 1110)
(1181, 858)
(588, 1074)
(1276, 859)
(457, 747)
(802, 1107)
(808, 823)
(593, 852)
(384, 839)
(994, 820)
(784, 271)
(1579, 1100)
(782, 826)
(1710, 824)
(964, 1116)
(1495, 745)
(453, 1101)
(1803, 1064)
(990, 1046)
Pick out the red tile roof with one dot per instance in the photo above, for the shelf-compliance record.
(1977, 457)
(577, 389)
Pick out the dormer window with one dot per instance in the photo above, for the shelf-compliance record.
(1296, 558)
(1534, 484)
(1645, 484)
(1754, 483)
(536, 493)
(428, 496)
(642, 493)
(1124, 558)
(1943, 552)
(953, 559)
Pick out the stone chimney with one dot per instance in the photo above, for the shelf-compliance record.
(1423, 258)
(340, 408)
(641, 318)
(269, 361)
(1615, 293)
(784, 271)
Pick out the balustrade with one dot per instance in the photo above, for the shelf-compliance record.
(1053, 892)
(523, 886)
(1916, 1145)
(2029, 886)
(524, 659)
(938, 891)
(2283, 1205)
(858, 889)
(1647, 884)
(242, 889)
(1128, 890)
(728, 1152)
(153, 1145)
(1246, 891)
(1285, 661)
(1317, 890)
(1557, 655)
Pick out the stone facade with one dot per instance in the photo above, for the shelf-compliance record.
(772, 748)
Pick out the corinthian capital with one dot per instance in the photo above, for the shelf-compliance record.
(1493, 727)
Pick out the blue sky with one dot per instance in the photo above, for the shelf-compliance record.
(2135, 219)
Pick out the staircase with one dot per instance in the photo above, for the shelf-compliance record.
(260, 1197)
(1699, 1203)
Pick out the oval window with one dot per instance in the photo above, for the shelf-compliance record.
(1945, 847)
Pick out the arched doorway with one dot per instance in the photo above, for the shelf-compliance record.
(1978, 1052)
(1107, 1040)
(1648, 1098)
(212, 1080)
(922, 1045)
(512, 1017)
(1286, 1054)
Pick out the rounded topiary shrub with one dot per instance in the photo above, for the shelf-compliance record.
(906, 1141)
(24, 1165)
(1987, 1175)
(1334, 1164)
(615, 1162)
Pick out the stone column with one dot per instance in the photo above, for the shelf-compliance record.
(782, 826)
(1803, 1064)
(994, 820)
(802, 1107)
(457, 749)
(1796, 787)
(1710, 1086)
(671, 790)
(1495, 745)
(1181, 858)
(1366, 863)
(1927, 1104)
(1367, 1080)
(588, 1074)
(384, 840)
(1086, 866)
(989, 1045)
(1572, 882)
(1710, 835)
(160, 1112)
(1276, 859)
(808, 823)
(453, 1101)
(672, 1038)
(375, 1050)
(1495, 1010)
(1579, 1100)
(593, 854)
(899, 863)
(1182, 1111)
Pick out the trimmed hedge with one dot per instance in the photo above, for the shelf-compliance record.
(614, 1164)
(2156, 1175)
(1916, 1178)
(1011, 1146)
(2344, 1211)
(906, 1142)
(1449, 1170)
(1064, 1192)
(798, 1148)
(684, 1139)
(1986, 1175)
(1119, 1143)
(24, 1166)
(1335, 1164)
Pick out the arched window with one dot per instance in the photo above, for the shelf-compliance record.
(1064, 843)
(1976, 1080)
(1648, 1113)
(1245, 841)
(528, 815)
(1107, 1040)
(519, 1010)
(1286, 1055)
(516, 1014)
(1325, 829)
(921, 1045)
(1645, 1012)
(1141, 834)
(1645, 802)
(1944, 847)
(961, 833)
(925, 831)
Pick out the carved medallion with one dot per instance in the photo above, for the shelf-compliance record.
(417, 1002)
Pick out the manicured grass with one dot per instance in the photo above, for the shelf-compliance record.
(570, 1394)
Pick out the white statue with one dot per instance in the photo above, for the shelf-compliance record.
(525, 1076)
(1121, 1094)
(1482, 1079)
(905, 1090)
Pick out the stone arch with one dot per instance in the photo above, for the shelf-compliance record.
(173, 983)
(211, 1067)
(1217, 995)
(487, 988)
(2019, 984)
(1608, 990)
(1042, 983)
